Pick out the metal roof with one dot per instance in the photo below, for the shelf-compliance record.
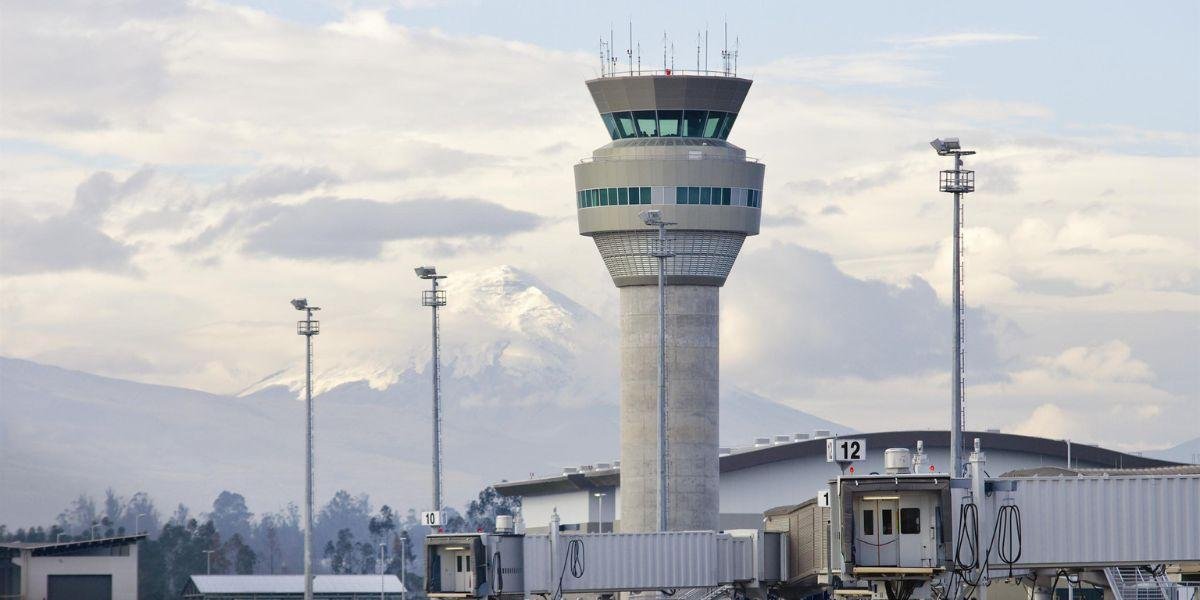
(49, 548)
(294, 584)
(750, 457)
(1065, 472)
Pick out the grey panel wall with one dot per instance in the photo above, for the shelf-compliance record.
(1108, 520)
(641, 561)
(613, 94)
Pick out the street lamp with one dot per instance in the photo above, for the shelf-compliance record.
(382, 570)
(308, 328)
(404, 564)
(958, 182)
(208, 561)
(434, 298)
(600, 500)
(136, 519)
(653, 218)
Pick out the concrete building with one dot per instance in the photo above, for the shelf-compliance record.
(100, 569)
(284, 587)
(788, 469)
(669, 153)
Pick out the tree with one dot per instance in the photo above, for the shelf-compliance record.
(230, 515)
(244, 558)
(79, 516)
(481, 512)
(340, 554)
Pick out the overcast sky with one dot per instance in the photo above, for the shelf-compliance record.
(173, 172)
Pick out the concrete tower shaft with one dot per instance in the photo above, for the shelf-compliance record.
(669, 152)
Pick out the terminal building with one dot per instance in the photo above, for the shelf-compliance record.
(790, 469)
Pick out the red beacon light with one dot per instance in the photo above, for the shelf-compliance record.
(930, 468)
(851, 470)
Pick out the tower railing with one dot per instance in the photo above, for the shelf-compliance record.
(961, 181)
(669, 73)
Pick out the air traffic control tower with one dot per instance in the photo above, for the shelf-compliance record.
(669, 153)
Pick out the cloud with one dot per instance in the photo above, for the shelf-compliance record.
(844, 186)
(278, 180)
(346, 229)
(803, 317)
(950, 40)
(1111, 361)
(877, 68)
(72, 240)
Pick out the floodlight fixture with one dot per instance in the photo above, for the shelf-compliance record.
(949, 147)
(300, 303)
(651, 217)
(428, 273)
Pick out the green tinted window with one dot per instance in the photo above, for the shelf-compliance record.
(725, 196)
(680, 195)
(610, 123)
(693, 195)
(713, 124)
(622, 196)
(624, 122)
(693, 123)
(633, 196)
(669, 122)
(594, 199)
(603, 197)
(705, 195)
(645, 195)
(727, 125)
(612, 196)
(647, 124)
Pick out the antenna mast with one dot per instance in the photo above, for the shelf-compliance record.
(706, 47)
(725, 56)
(629, 49)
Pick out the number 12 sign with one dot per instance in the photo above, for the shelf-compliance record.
(845, 449)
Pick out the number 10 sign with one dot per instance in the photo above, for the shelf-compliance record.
(845, 449)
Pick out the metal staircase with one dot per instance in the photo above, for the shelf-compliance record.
(1140, 583)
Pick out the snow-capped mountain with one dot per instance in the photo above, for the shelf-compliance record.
(530, 380)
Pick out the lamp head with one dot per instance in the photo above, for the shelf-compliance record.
(300, 303)
(946, 146)
(651, 217)
(426, 272)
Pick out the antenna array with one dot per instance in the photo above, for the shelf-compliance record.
(633, 55)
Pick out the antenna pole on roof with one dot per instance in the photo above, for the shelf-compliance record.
(602, 70)
(639, 53)
(737, 45)
(697, 51)
(664, 51)
(706, 46)
(629, 50)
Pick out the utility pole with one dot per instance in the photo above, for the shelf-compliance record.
(308, 328)
(435, 298)
(653, 218)
(958, 181)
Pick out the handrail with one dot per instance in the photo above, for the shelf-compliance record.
(592, 159)
(668, 73)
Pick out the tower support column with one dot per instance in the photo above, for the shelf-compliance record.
(692, 374)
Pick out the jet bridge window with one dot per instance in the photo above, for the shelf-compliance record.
(868, 522)
(910, 520)
(885, 521)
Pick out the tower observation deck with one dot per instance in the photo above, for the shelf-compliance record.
(669, 153)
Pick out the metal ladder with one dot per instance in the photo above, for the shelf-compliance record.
(1137, 583)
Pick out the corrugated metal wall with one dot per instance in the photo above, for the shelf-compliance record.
(1108, 520)
(640, 561)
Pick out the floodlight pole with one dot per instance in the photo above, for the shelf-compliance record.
(308, 328)
(958, 181)
(434, 298)
(662, 254)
